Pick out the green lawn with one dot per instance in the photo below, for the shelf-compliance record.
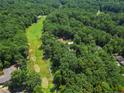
(36, 61)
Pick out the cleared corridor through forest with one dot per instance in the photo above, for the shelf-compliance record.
(36, 61)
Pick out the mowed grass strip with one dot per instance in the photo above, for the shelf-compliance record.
(36, 61)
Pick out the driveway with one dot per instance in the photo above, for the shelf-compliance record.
(7, 74)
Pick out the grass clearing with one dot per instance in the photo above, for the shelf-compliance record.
(36, 62)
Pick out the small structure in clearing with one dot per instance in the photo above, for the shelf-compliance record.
(70, 43)
(98, 12)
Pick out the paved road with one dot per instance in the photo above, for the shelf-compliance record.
(7, 74)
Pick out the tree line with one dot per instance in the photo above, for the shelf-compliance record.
(80, 38)
(87, 65)
(15, 17)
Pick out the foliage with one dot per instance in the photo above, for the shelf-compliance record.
(24, 80)
(87, 65)
(95, 27)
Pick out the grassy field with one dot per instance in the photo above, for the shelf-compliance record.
(36, 61)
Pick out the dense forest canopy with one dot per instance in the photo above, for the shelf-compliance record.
(15, 16)
(80, 38)
(87, 65)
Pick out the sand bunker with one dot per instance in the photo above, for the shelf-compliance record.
(45, 82)
(36, 68)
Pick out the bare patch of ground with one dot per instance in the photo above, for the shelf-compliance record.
(4, 90)
(45, 82)
(36, 68)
